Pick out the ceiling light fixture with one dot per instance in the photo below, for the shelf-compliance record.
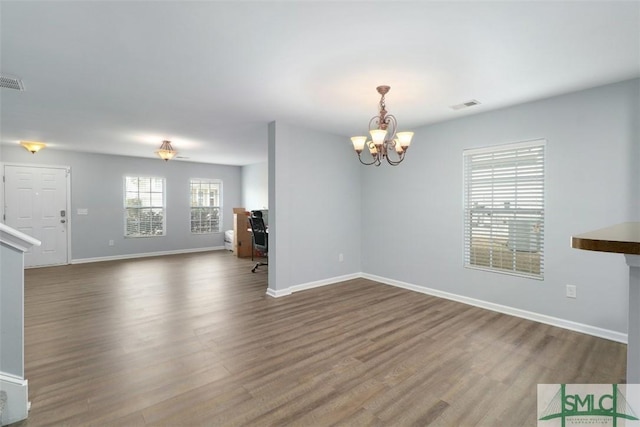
(166, 151)
(33, 146)
(384, 138)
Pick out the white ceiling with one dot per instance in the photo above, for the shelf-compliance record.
(118, 77)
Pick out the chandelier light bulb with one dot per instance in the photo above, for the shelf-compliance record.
(405, 138)
(358, 142)
(378, 135)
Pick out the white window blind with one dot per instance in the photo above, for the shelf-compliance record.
(144, 206)
(504, 208)
(205, 205)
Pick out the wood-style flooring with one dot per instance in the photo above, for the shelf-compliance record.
(192, 340)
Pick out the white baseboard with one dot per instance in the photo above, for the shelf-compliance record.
(325, 282)
(537, 317)
(145, 255)
(276, 293)
(524, 314)
(17, 405)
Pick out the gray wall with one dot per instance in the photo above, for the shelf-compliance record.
(255, 186)
(593, 181)
(97, 185)
(314, 207)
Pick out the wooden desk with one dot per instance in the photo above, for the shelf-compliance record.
(242, 246)
(623, 239)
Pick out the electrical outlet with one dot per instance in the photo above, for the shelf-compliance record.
(571, 291)
(340, 258)
(110, 242)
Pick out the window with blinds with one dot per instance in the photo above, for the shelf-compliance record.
(504, 208)
(205, 205)
(144, 206)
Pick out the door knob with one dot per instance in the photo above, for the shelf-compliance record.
(63, 221)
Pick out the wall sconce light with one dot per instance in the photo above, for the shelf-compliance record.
(166, 151)
(33, 146)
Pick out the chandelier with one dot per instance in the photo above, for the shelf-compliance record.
(384, 139)
(166, 151)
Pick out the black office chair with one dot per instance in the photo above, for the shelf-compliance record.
(260, 238)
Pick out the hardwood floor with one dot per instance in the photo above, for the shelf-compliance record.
(192, 340)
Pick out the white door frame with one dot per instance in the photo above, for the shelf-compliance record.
(68, 207)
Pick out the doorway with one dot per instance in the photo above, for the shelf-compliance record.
(36, 202)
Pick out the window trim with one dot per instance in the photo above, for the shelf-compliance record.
(467, 210)
(220, 214)
(126, 208)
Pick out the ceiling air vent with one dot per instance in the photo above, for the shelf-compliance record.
(10, 82)
(467, 104)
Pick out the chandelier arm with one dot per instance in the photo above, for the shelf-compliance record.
(392, 125)
(395, 162)
(389, 122)
(375, 159)
(375, 120)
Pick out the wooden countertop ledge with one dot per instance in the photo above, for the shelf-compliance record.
(621, 238)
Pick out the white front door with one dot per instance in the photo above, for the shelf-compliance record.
(35, 203)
